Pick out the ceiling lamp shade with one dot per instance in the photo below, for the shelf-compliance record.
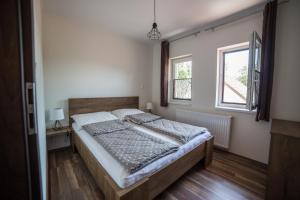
(154, 33)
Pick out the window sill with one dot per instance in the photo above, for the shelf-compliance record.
(180, 102)
(230, 109)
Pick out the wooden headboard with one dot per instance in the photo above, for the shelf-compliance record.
(88, 105)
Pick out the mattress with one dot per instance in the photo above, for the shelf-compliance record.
(118, 173)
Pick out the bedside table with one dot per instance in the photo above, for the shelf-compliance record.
(50, 132)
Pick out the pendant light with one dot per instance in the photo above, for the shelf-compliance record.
(154, 34)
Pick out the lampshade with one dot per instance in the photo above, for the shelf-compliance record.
(154, 33)
(57, 114)
(149, 106)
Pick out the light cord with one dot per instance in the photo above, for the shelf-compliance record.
(154, 11)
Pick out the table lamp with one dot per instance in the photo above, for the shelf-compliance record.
(56, 115)
(149, 106)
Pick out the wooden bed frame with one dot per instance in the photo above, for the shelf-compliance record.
(147, 188)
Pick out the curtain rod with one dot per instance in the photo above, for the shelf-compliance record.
(227, 20)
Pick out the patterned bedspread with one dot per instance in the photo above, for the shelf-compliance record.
(132, 148)
(180, 131)
(142, 118)
(105, 127)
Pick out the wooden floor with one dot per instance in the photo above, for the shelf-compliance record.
(230, 177)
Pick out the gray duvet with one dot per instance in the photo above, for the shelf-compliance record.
(105, 127)
(142, 118)
(132, 148)
(180, 131)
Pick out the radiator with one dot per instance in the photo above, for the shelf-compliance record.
(218, 125)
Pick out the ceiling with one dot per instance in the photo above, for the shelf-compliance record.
(134, 17)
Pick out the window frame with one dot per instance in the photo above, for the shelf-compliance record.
(253, 94)
(174, 61)
(221, 76)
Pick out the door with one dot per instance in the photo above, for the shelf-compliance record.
(20, 177)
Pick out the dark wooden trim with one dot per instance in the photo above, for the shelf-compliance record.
(27, 48)
(13, 173)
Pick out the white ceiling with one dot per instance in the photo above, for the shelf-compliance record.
(134, 17)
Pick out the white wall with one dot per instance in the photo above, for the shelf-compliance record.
(248, 138)
(39, 80)
(286, 92)
(82, 60)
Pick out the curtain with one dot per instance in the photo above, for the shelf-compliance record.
(267, 62)
(164, 73)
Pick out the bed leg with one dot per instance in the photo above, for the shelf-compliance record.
(74, 150)
(209, 151)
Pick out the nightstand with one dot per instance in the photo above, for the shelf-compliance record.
(64, 130)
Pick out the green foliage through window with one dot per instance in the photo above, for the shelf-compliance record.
(182, 82)
(183, 70)
(243, 77)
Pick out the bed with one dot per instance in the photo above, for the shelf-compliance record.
(149, 183)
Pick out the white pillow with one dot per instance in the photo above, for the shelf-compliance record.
(89, 118)
(121, 113)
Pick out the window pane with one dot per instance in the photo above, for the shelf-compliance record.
(182, 78)
(183, 70)
(182, 88)
(235, 76)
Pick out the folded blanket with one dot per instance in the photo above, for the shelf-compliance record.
(142, 118)
(180, 131)
(135, 149)
(105, 127)
(132, 148)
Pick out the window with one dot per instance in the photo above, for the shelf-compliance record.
(238, 75)
(235, 76)
(181, 79)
